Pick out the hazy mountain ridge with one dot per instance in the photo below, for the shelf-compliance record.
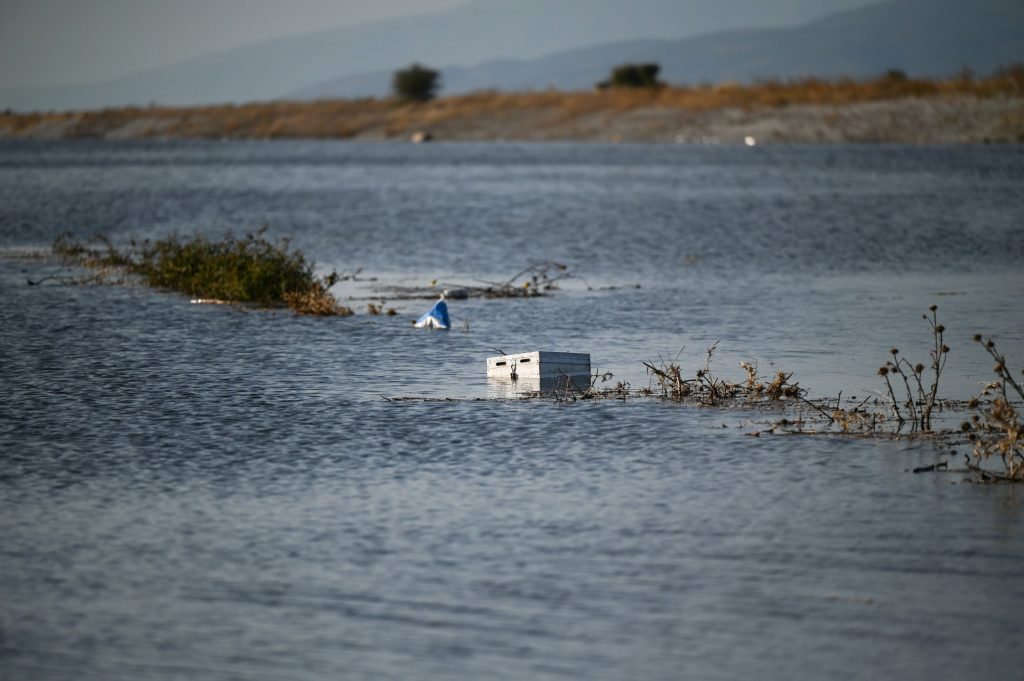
(930, 38)
(479, 31)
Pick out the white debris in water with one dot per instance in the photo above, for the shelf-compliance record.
(749, 141)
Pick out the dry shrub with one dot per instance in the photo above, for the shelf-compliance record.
(996, 429)
(708, 388)
(317, 301)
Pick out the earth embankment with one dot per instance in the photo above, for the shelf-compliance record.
(912, 112)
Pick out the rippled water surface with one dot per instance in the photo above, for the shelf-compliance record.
(205, 492)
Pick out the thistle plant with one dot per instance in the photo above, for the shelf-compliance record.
(919, 402)
(996, 429)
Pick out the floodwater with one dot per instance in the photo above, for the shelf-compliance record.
(192, 491)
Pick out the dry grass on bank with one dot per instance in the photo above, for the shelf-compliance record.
(552, 110)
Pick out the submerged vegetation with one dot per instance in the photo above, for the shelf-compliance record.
(247, 269)
(708, 389)
(536, 279)
(919, 402)
(996, 430)
(252, 270)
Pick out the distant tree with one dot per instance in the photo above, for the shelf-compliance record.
(633, 75)
(416, 83)
(896, 76)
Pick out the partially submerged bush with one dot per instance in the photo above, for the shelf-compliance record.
(707, 388)
(248, 269)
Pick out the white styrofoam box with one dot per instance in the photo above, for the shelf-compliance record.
(540, 365)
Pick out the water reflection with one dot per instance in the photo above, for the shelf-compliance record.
(504, 388)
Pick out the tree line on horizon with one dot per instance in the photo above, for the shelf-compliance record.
(418, 83)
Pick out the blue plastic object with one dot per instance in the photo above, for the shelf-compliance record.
(436, 317)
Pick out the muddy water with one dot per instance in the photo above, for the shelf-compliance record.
(203, 492)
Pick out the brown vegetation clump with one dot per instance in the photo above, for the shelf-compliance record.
(708, 389)
(316, 301)
(997, 430)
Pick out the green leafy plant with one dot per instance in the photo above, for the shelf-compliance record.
(247, 269)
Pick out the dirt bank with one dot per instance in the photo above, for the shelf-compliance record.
(862, 112)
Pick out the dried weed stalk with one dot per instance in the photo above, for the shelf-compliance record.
(708, 388)
(996, 429)
(919, 402)
(536, 279)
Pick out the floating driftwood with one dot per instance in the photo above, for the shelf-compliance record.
(536, 279)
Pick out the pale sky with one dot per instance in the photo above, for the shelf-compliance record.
(46, 43)
(54, 42)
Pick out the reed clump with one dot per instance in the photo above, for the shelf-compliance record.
(248, 269)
